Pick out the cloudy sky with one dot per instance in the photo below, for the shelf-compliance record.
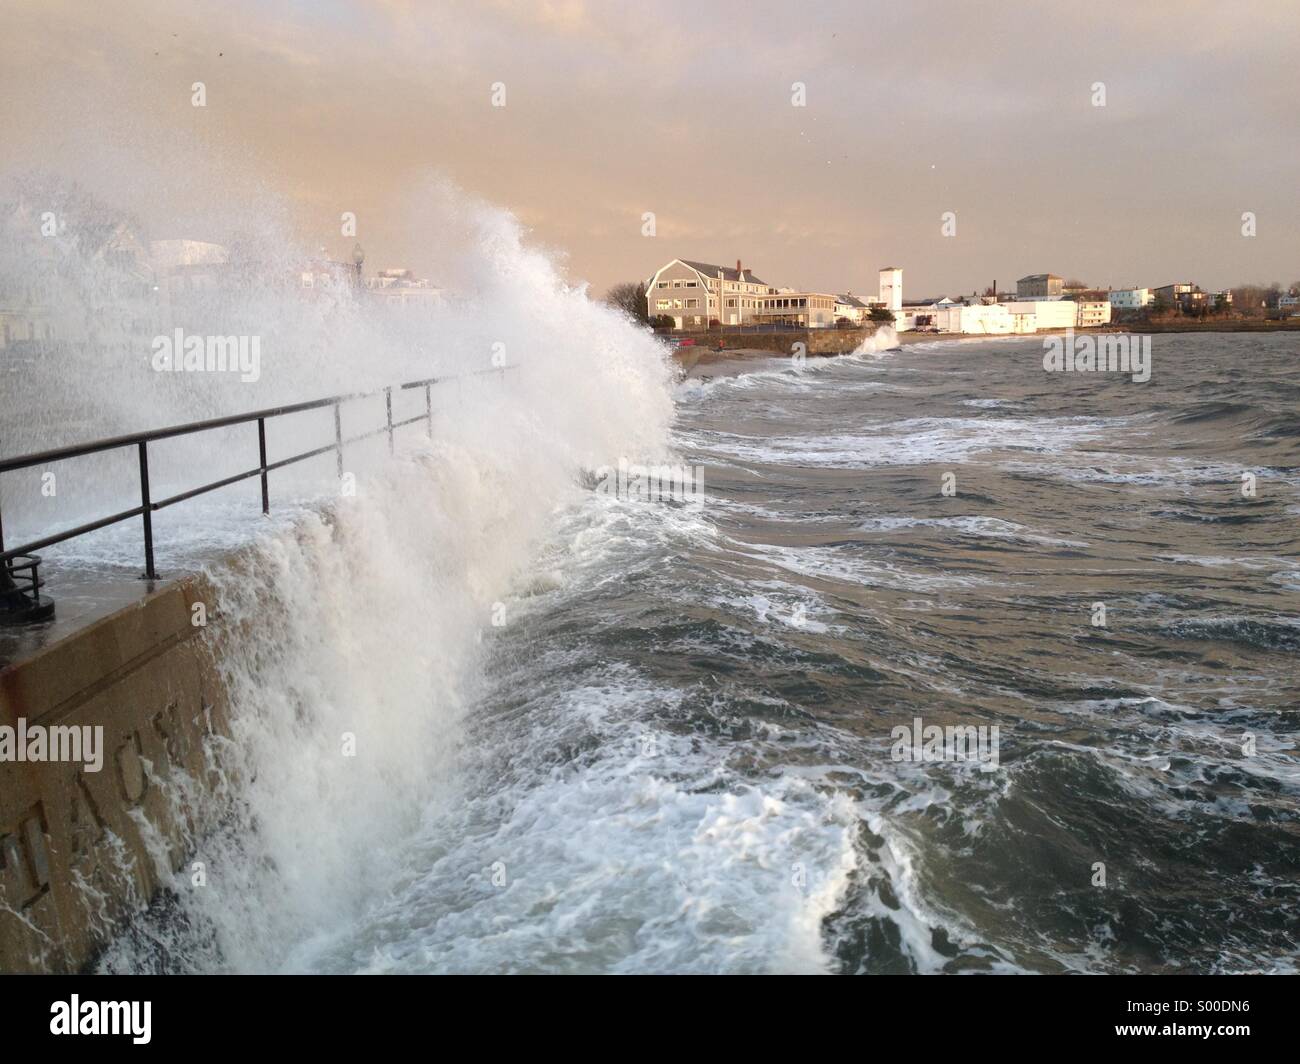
(685, 109)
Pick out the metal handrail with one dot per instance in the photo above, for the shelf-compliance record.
(141, 440)
(29, 564)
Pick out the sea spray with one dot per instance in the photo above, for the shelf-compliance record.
(589, 378)
(350, 636)
(885, 338)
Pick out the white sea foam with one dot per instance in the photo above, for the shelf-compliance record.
(634, 862)
(883, 339)
(915, 441)
(971, 525)
(855, 567)
(362, 622)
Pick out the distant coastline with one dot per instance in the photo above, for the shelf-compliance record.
(700, 355)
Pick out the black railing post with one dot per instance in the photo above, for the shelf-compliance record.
(147, 513)
(338, 438)
(261, 454)
(6, 581)
(428, 404)
(388, 402)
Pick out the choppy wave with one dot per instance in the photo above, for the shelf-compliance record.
(675, 753)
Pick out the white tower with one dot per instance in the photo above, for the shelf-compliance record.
(891, 288)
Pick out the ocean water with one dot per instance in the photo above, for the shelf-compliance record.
(490, 718)
(625, 735)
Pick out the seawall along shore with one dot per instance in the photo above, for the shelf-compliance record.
(82, 850)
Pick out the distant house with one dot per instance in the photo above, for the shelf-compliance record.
(1184, 295)
(401, 288)
(1039, 286)
(28, 295)
(693, 293)
(851, 308)
(1170, 292)
(1092, 312)
(323, 277)
(1129, 298)
(786, 306)
(89, 282)
(188, 271)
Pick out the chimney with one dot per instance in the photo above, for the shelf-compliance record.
(740, 276)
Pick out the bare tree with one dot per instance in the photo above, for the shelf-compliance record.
(629, 297)
(1250, 299)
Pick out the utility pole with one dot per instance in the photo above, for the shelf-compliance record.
(358, 257)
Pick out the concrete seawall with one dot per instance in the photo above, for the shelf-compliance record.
(815, 341)
(81, 850)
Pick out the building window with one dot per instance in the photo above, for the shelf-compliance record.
(692, 304)
(663, 284)
(731, 302)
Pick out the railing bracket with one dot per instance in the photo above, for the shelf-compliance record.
(21, 601)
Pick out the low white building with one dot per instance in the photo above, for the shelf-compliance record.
(1048, 313)
(1129, 298)
(1023, 322)
(1092, 312)
(401, 288)
(787, 306)
(979, 319)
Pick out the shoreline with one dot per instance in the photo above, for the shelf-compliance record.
(690, 358)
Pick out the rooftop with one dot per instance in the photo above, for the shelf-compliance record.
(728, 272)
